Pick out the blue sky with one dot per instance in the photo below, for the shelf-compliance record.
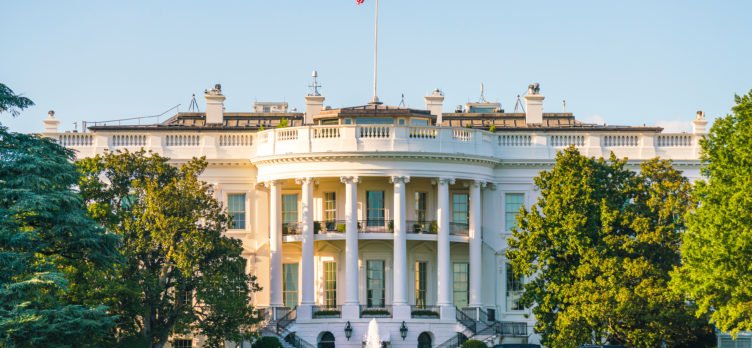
(626, 62)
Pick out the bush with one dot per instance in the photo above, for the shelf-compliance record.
(474, 344)
(267, 342)
(492, 128)
(425, 313)
(341, 228)
(434, 227)
(283, 123)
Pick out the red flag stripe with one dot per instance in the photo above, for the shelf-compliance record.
(359, 2)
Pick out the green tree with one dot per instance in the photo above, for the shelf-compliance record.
(48, 246)
(181, 273)
(598, 247)
(11, 102)
(717, 247)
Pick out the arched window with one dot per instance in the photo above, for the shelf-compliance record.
(424, 340)
(326, 340)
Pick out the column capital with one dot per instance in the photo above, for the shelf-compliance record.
(304, 180)
(491, 186)
(270, 183)
(476, 183)
(445, 181)
(349, 179)
(399, 179)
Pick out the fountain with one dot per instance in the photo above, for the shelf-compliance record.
(372, 337)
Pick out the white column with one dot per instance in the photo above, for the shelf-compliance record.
(476, 244)
(444, 290)
(399, 298)
(275, 243)
(350, 309)
(307, 262)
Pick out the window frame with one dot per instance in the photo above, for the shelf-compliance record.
(233, 213)
(507, 228)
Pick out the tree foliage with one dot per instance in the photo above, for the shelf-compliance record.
(717, 247)
(48, 245)
(11, 102)
(181, 274)
(598, 246)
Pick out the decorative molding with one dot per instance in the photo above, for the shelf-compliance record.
(304, 181)
(269, 183)
(445, 181)
(349, 179)
(328, 157)
(399, 179)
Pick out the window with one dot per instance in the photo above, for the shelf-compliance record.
(290, 284)
(512, 204)
(182, 343)
(375, 283)
(375, 120)
(330, 206)
(424, 340)
(401, 121)
(460, 212)
(290, 214)
(348, 121)
(420, 207)
(236, 208)
(330, 284)
(184, 297)
(420, 284)
(375, 208)
(461, 284)
(514, 290)
(326, 340)
(419, 122)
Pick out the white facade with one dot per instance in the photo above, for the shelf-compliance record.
(343, 218)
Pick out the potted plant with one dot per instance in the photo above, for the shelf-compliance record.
(434, 227)
(341, 228)
(390, 225)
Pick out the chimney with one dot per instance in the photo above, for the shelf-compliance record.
(534, 105)
(215, 105)
(51, 124)
(435, 104)
(699, 125)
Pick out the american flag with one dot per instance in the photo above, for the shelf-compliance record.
(359, 2)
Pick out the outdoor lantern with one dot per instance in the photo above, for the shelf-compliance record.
(403, 330)
(348, 330)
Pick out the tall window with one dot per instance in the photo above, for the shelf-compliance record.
(375, 208)
(512, 204)
(460, 211)
(420, 283)
(290, 284)
(290, 208)
(375, 283)
(182, 343)
(461, 284)
(330, 284)
(514, 290)
(420, 207)
(236, 209)
(330, 206)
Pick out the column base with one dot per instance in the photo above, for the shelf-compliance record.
(304, 312)
(401, 311)
(350, 311)
(448, 312)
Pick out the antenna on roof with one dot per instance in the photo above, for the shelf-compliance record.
(482, 98)
(402, 102)
(193, 107)
(314, 86)
(564, 104)
(519, 104)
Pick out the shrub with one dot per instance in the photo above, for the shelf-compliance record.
(341, 228)
(425, 313)
(267, 342)
(474, 344)
(283, 123)
(434, 227)
(492, 128)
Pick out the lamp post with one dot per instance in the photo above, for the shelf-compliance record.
(403, 331)
(348, 330)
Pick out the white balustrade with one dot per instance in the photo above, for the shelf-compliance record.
(182, 140)
(372, 131)
(422, 132)
(460, 134)
(674, 140)
(565, 140)
(75, 139)
(514, 140)
(287, 134)
(326, 132)
(235, 140)
(125, 140)
(621, 141)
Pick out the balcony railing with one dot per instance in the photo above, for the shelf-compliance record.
(422, 227)
(324, 311)
(375, 312)
(331, 226)
(458, 228)
(292, 228)
(425, 312)
(375, 226)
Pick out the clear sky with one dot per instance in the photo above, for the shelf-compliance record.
(619, 62)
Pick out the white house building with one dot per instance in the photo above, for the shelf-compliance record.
(379, 211)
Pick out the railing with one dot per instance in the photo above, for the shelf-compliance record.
(621, 140)
(454, 342)
(374, 131)
(459, 229)
(425, 312)
(235, 140)
(322, 312)
(674, 140)
(566, 140)
(287, 134)
(422, 227)
(332, 226)
(511, 329)
(297, 342)
(75, 139)
(422, 132)
(128, 140)
(326, 132)
(182, 140)
(515, 140)
(292, 228)
(375, 226)
(285, 321)
(466, 320)
(461, 134)
(375, 312)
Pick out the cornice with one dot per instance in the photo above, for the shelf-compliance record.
(548, 163)
(328, 157)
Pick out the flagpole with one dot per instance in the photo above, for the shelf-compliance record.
(375, 99)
